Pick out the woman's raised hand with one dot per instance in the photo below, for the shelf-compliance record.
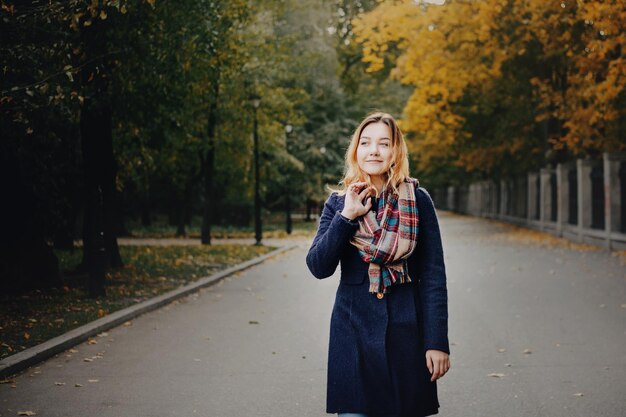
(355, 194)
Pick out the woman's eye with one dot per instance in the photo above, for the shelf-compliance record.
(386, 145)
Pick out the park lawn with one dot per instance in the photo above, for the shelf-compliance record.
(273, 228)
(29, 319)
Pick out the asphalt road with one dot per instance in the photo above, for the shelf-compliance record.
(546, 322)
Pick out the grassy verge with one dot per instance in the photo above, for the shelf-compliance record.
(30, 319)
(272, 228)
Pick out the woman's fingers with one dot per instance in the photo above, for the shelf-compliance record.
(355, 195)
(364, 193)
(438, 363)
(368, 206)
(436, 370)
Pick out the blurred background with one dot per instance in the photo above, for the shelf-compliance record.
(227, 119)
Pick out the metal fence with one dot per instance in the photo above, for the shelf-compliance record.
(584, 200)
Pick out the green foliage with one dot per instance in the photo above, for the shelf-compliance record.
(179, 76)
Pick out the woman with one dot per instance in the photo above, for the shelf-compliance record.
(389, 325)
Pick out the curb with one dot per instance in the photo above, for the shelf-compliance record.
(22, 360)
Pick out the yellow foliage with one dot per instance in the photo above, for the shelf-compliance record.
(445, 50)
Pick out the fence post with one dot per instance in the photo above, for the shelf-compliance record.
(532, 197)
(583, 172)
(544, 197)
(562, 192)
(450, 198)
(612, 195)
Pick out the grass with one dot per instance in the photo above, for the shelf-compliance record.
(29, 319)
(273, 227)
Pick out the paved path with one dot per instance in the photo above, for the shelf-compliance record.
(255, 344)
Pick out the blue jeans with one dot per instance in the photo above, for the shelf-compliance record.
(356, 415)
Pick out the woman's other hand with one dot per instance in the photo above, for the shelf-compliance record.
(355, 194)
(437, 362)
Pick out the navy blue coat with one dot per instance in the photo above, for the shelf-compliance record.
(376, 358)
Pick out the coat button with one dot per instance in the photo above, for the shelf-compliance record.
(380, 295)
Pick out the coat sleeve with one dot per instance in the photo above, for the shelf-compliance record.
(432, 273)
(333, 233)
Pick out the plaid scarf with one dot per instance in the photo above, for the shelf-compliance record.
(387, 237)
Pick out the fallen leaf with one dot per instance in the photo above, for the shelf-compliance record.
(78, 385)
(501, 350)
(92, 342)
(578, 394)
(73, 350)
(128, 323)
(88, 360)
(103, 334)
(26, 413)
(496, 375)
(7, 381)
(527, 351)
(59, 383)
(26, 335)
(93, 380)
(253, 322)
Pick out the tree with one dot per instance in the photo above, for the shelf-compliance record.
(501, 86)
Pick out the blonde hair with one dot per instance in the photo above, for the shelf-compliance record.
(399, 167)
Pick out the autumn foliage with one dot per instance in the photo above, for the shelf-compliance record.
(501, 86)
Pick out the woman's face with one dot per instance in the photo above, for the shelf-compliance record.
(374, 152)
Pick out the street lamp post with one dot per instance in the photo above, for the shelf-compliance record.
(258, 231)
(288, 226)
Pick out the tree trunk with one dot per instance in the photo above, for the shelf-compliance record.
(208, 168)
(100, 247)
(180, 216)
(146, 219)
(92, 126)
(309, 208)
